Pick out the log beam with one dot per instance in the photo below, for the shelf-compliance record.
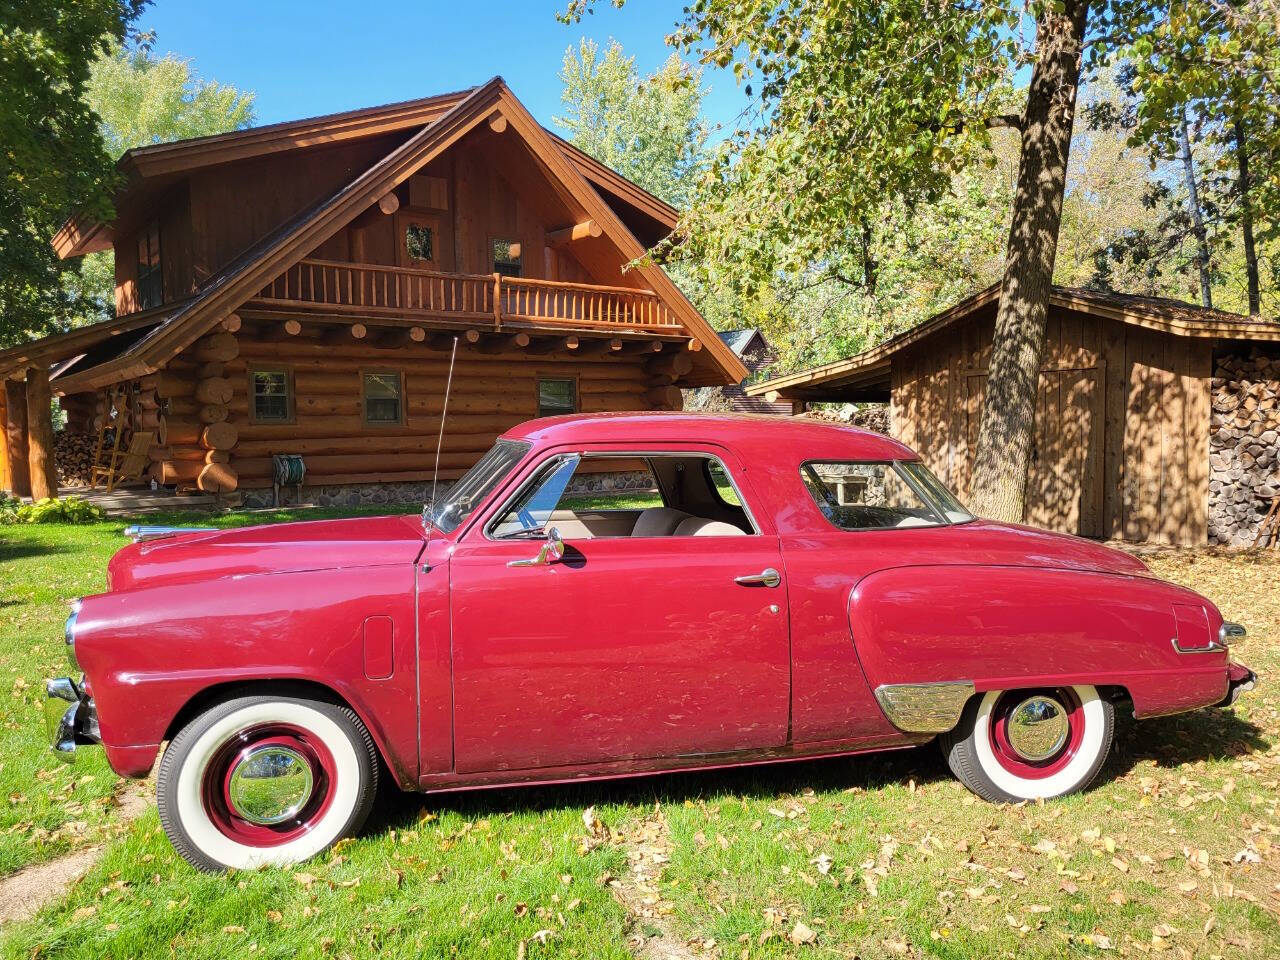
(231, 324)
(281, 331)
(346, 334)
(40, 460)
(499, 344)
(389, 203)
(642, 348)
(15, 436)
(579, 231)
(595, 347)
(497, 123)
(393, 339)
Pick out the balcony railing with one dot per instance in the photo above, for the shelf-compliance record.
(404, 291)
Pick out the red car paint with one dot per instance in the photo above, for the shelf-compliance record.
(630, 655)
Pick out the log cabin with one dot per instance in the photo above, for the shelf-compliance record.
(1156, 420)
(298, 289)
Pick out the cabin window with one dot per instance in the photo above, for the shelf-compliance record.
(272, 392)
(419, 242)
(556, 397)
(508, 258)
(383, 398)
(150, 273)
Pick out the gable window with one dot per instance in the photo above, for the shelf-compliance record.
(419, 242)
(150, 272)
(271, 389)
(556, 397)
(383, 398)
(508, 258)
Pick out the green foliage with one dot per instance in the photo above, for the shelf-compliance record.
(650, 130)
(50, 510)
(53, 161)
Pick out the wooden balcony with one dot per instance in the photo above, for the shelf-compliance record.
(373, 290)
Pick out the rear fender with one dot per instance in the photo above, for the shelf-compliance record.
(1001, 627)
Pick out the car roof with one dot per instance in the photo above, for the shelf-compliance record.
(756, 436)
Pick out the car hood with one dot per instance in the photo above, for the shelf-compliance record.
(275, 548)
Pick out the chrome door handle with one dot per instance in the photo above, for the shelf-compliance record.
(769, 578)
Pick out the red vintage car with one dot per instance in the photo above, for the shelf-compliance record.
(768, 590)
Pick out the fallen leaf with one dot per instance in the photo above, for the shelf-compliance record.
(800, 934)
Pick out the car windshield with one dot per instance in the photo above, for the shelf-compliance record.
(447, 513)
(874, 496)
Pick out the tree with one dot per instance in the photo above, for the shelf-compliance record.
(141, 99)
(650, 130)
(53, 161)
(864, 106)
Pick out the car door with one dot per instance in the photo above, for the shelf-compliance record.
(626, 647)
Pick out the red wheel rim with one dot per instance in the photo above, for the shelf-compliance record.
(1002, 748)
(216, 784)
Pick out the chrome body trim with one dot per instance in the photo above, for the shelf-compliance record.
(551, 550)
(1213, 647)
(924, 707)
(69, 634)
(769, 577)
(71, 717)
(141, 532)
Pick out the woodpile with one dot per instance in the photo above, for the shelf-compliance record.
(1244, 446)
(73, 453)
(188, 406)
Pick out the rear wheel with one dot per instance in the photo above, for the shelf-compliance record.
(1015, 745)
(266, 780)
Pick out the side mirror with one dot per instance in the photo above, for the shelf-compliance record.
(552, 549)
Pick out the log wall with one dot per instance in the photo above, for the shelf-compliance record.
(206, 436)
(1122, 424)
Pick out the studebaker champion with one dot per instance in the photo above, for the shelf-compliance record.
(767, 590)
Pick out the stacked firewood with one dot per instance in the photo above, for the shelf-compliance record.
(73, 454)
(187, 405)
(1244, 445)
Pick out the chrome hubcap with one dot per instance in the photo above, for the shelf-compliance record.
(270, 784)
(1038, 728)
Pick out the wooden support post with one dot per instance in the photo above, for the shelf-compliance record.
(43, 469)
(15, 431)
(579, 231)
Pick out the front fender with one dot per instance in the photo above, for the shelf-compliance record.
(148, 652)
(1004, 627)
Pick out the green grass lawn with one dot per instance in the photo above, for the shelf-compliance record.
(1175, 852)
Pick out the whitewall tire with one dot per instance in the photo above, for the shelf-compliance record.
(266, 781)
(1015, 745)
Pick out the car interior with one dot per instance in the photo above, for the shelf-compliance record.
(688, 495)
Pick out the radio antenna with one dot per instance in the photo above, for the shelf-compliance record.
(444, 412)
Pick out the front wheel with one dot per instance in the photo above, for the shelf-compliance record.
(266, 780)
(1015, 745)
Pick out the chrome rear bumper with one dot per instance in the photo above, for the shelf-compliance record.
(70, 717)
(1240, 679)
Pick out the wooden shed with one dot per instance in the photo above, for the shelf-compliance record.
(298, 289)
(1126, 414)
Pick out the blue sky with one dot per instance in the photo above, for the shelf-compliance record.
(303, 59)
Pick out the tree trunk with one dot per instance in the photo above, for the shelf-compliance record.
(1246, 221)
(44, 470)
(15, 428)
(1009, 408)
(1197, 218)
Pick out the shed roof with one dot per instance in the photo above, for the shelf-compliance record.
(866, 376)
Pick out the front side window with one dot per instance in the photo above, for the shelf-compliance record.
(419, 242)
(448, 513)
(383, 402)
(272, 395)
(881, 495)
(508, 258)
(556, 397)
(150, 272)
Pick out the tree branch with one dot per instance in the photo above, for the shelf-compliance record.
(1009, 120)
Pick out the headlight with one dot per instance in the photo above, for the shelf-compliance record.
(69, 632)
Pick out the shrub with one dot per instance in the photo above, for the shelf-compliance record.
(50, 510)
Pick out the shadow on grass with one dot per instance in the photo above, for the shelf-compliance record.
(21, 549)
(1168, 741)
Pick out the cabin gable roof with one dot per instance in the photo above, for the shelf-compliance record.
(242, 278)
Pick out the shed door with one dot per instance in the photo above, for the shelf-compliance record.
(1064, 487)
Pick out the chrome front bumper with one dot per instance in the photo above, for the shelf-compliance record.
(70, 717)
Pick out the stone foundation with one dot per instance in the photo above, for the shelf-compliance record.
(1244, 455)
(378, 494)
